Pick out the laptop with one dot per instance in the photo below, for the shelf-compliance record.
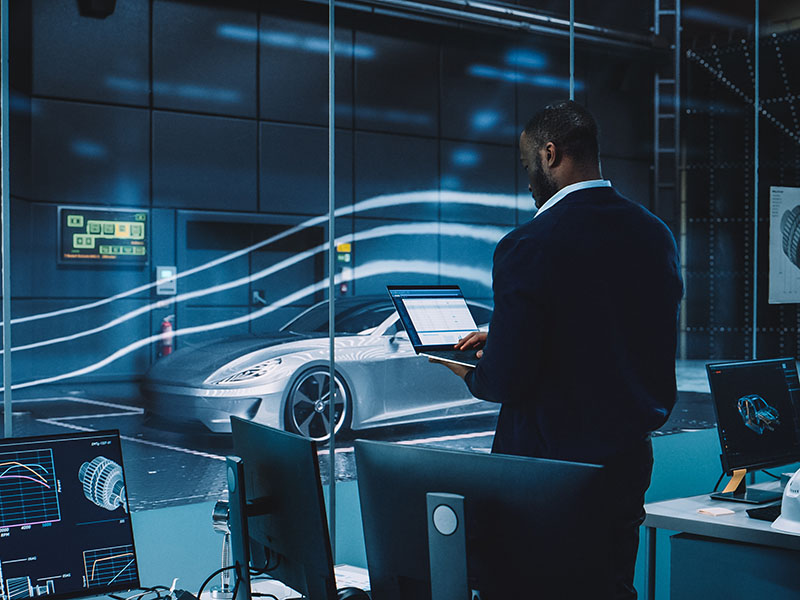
(435, 318)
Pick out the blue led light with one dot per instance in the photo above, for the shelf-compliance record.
(88, 149)
(466, 157)
(292, 41)
(543, 81)
(525, 58)
(485, 119)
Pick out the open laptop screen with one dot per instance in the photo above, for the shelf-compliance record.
(65, 529)
(433, 316)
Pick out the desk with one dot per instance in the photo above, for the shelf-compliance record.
(681, 515)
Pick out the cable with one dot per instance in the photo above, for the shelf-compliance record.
(719, 481)
(771, 474)
(235, 586)
(267, 567)
(156, 589)
(214, 574)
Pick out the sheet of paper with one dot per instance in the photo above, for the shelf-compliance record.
(784, 245)
(715, 511)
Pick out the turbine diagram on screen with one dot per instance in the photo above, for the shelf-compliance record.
(103, 484)
(757, 414)
(790, 232)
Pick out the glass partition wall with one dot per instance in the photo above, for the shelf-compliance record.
(178, 222)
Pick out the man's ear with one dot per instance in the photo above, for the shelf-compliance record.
(552, 155)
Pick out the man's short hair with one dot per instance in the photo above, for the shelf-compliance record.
(570, 126)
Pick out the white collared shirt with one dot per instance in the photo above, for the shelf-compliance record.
(574, 187)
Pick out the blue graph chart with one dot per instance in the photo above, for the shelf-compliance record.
(109, 566)
(28, 492)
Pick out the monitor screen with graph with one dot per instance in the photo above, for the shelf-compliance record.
(65, 530)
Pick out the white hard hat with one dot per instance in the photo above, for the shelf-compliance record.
(790, 506)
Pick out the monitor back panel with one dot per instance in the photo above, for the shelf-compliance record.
(531, 524)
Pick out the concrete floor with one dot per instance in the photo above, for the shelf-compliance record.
(167, 465)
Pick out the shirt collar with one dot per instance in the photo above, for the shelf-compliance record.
(574, 187)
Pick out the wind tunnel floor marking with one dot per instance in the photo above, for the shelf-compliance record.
(429, 440)
(128, 411)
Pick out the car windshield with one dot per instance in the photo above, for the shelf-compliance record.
(351, 317)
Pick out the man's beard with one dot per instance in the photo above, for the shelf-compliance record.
(543, 184)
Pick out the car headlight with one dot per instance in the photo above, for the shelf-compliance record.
(253, 372)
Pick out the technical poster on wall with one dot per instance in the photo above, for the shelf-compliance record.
(784, 245)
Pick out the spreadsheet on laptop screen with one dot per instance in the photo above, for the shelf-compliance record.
(440, 320)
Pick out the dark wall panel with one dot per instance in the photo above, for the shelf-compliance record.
(65, 357)
(35, 271)
(204, 58)
(483, 173)
(399, 89)
(478, 90)
(106, 60)
(294, 71)
(204, 162)
(394, 164)
(542, 75)
(294, 169)
(89, 154)
(205, 318)
(393, 254)
(631, 178)
(619, 93)
(474, 256)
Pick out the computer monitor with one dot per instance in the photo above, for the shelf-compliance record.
(65, 530)
(284, 529)
(533, 527)
(757, 404)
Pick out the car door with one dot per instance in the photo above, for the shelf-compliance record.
(411, 386)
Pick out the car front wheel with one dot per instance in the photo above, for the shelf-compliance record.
(308, 405)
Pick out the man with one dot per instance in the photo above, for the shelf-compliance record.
(581, 347)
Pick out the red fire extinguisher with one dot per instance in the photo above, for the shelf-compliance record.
(166, 335)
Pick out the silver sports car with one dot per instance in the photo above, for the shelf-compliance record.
(282, 379)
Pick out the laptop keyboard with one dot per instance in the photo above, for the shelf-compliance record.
(462, 356)
(765, 513)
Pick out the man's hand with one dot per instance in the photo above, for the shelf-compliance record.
(459, 370)
(476, 339)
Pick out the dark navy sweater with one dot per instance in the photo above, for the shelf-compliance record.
(581, 347)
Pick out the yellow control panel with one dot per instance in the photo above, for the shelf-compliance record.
(96, 235)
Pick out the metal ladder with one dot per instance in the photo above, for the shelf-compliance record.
(666, 113)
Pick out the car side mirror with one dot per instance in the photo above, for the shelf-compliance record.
(399, 336)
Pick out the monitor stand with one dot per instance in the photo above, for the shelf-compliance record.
(447, 546)
(736, 491)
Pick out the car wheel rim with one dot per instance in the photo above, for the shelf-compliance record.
(310, 408)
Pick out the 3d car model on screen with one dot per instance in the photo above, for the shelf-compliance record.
(757, 414)
(282, 379)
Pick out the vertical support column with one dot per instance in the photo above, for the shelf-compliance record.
(756, 114)
(572, 49)
(6, 231)
(331, 267)
(650, 563)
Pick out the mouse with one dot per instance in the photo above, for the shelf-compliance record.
(351, 593)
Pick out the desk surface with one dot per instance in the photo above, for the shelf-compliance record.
(681, 515)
